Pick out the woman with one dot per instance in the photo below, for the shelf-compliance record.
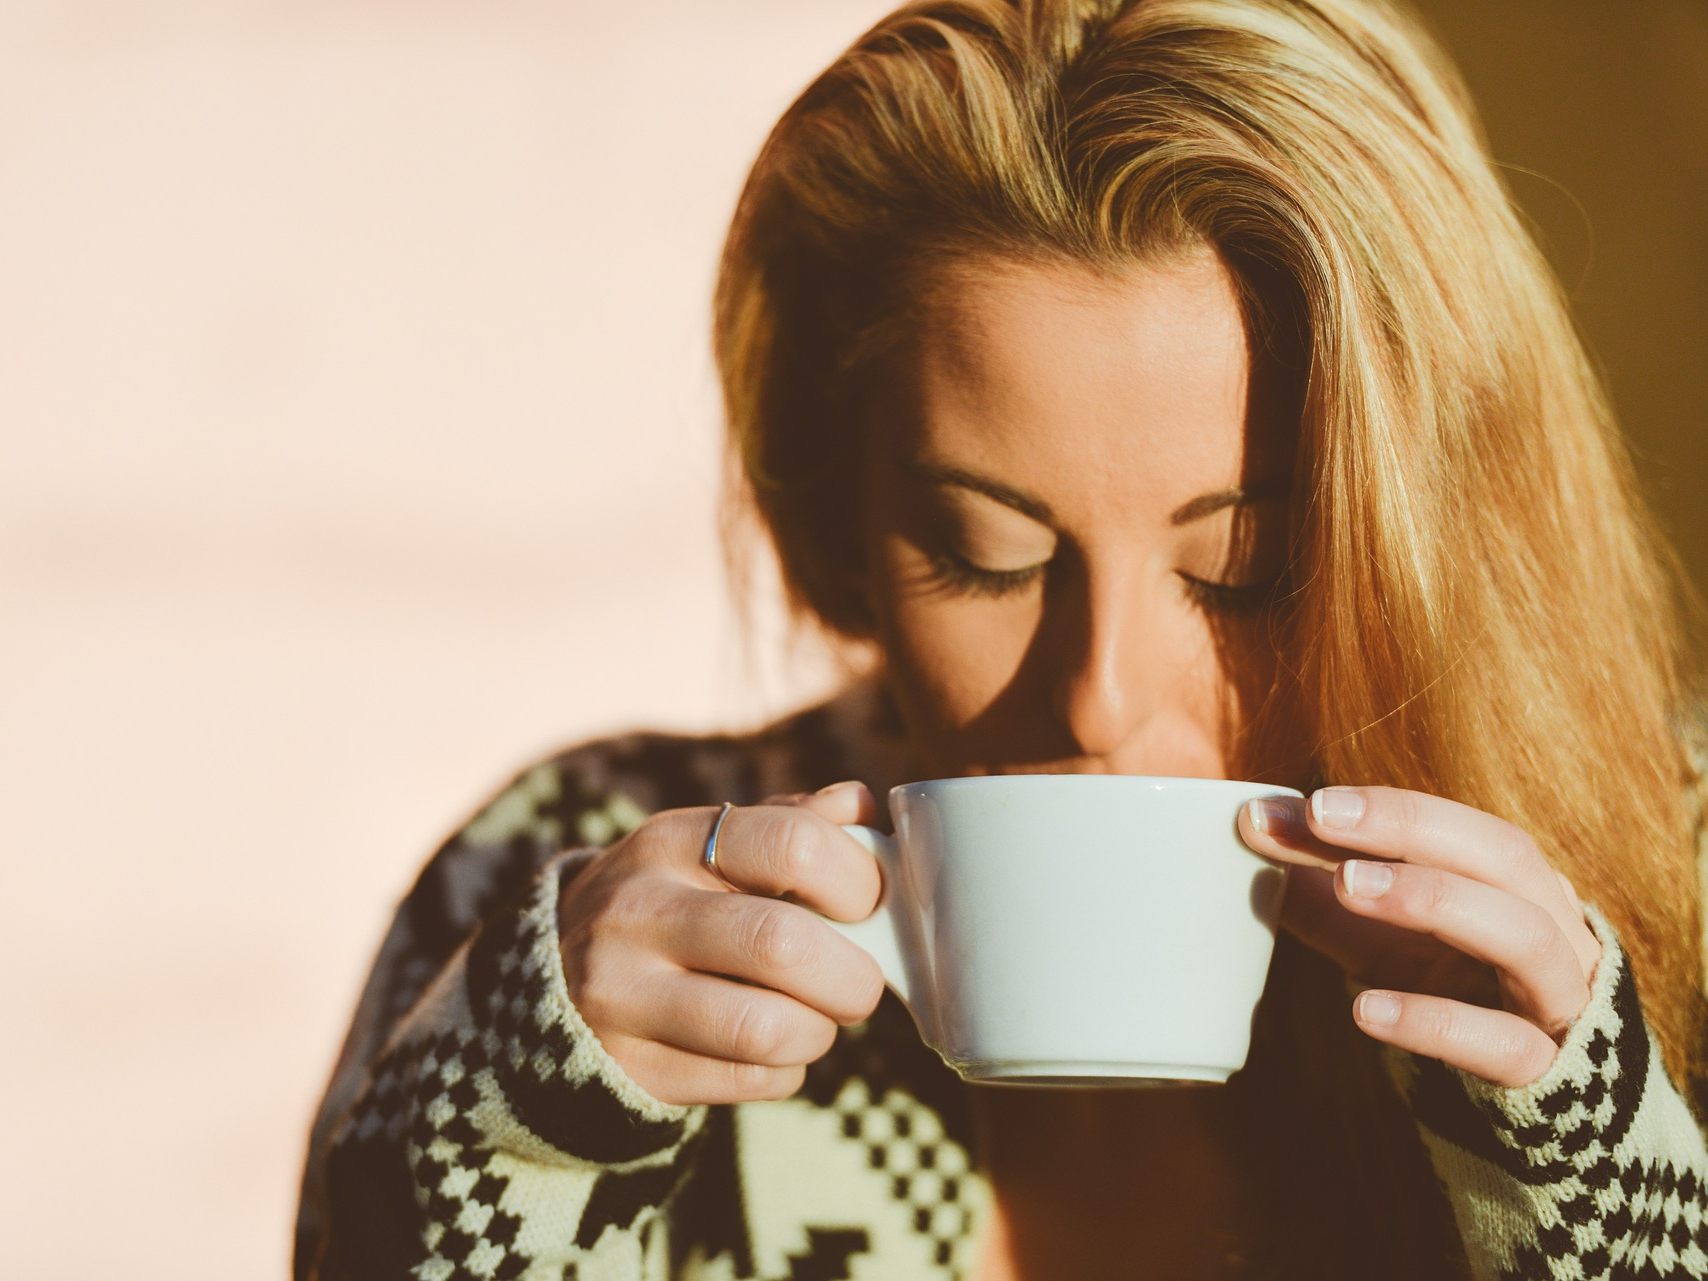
(1147, 387)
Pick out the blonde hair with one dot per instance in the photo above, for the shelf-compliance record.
(1481, 607)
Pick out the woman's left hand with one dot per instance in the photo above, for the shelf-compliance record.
(1476, 949)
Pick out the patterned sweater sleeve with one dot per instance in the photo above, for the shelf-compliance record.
(1595, 1170)
(474, 1126)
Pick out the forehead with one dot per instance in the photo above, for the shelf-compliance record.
(1097, 390)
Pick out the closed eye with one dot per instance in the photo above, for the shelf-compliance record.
(960, 575)
(1231, 598)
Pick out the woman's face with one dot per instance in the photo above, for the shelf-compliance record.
(1075, 514)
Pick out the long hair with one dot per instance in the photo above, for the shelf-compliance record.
(1479, 605)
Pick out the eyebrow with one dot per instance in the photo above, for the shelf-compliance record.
(1026, 504)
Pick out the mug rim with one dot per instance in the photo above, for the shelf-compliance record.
(1162, 782)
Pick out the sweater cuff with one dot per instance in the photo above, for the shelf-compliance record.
(1604, 1055)
(1597, 1163)
(557, 1079)
(1591, 1089)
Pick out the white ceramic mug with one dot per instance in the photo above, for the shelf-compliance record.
(1075, 929)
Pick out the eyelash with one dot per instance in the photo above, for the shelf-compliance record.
(960, 576)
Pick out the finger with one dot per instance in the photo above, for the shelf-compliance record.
(1311, 910)
(1499, 1047)
(681, 1078)
(849, 801)
(1583, 941)
(1394, 823)
(1276, 827)
(791, 849)
(778, 945)
(714, 1017)
(1285, 829)
(1376, 952)
(1542, 976)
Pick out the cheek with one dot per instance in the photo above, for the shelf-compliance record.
(1265, 732)
(954, 654)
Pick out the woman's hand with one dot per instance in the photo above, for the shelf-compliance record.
(1476, 949)
(708, 995)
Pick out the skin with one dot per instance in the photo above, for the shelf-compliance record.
(1075, 515)
(1056, 587)
(1083, 640)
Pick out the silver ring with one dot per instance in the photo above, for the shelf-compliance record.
(710, 858)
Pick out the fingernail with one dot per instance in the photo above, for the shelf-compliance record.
(1366, 880)
(1378, 1008)
(1337, 806)
(843, 786)
(1282, 817)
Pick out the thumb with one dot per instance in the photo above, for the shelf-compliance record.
(850, 801)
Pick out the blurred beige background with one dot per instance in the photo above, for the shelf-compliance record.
(359, 444)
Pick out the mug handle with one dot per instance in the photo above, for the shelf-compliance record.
(879, 933)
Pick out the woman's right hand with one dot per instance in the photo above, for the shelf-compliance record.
(709, 995)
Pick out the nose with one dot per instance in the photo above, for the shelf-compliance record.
(1112, 678)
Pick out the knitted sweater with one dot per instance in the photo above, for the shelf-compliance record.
(474, 1127)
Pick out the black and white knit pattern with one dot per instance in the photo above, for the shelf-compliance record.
(528, 1153)
(475, 1127)
(1593, 1171)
